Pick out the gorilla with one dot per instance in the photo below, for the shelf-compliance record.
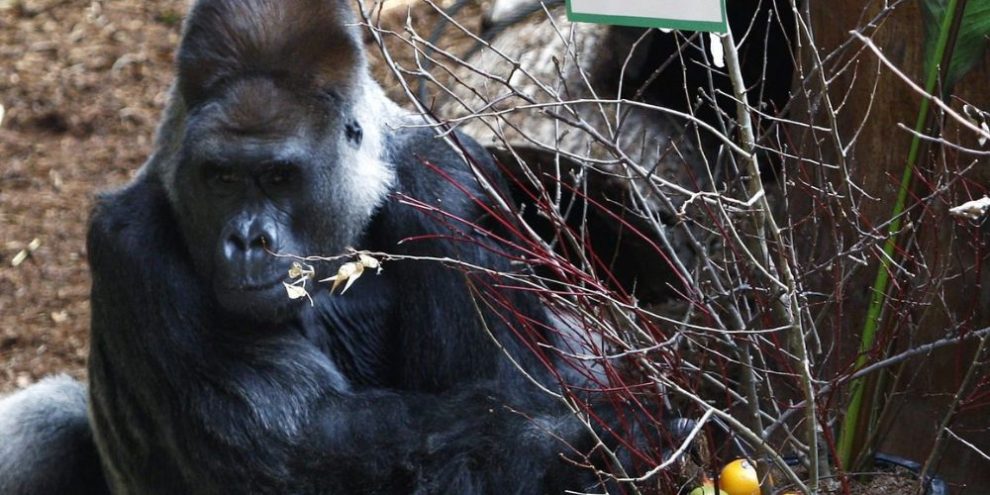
(205, 378)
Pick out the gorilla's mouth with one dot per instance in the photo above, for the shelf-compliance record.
(262, 300)
(245, 278)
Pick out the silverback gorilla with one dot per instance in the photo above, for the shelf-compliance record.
(205, 378)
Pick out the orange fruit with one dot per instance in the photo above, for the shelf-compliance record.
(739, 478)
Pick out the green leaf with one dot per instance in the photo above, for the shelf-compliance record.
(971, 44)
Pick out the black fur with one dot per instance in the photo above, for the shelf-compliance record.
(204, 379)
(46, 445)
(393, 387)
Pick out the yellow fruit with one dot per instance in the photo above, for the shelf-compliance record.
(739, 478)
(707, 489)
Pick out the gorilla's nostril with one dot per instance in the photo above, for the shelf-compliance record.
(265, 238)
(236, 243)
(260, 242)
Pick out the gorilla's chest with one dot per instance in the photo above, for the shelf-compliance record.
(355, 329)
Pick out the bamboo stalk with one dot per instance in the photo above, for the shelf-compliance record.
(847, 437)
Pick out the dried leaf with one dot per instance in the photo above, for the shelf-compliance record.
(19, 258)
(295, 271)
(347, 273)
(980, 118)
(337, 280)
(369, 262)
(350, 280)
(972, 210)
(295, 291)
(348, 270)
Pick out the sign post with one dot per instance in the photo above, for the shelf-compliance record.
(688, 15)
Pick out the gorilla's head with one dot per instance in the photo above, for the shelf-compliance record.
(280, 152)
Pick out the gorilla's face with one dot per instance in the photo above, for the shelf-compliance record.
(265, 172)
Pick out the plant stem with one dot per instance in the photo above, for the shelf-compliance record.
(787, 304)
(847, 437)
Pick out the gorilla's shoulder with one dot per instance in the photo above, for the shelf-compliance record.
(425, 139)
(428, 163)
(142, 202)
(124, 220)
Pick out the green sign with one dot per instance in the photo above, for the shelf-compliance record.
(688, 15)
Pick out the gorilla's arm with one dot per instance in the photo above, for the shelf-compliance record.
(447, 315)
(176, 391)
(186, 401)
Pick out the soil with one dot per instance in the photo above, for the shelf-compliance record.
(82, 84)
(887, 480)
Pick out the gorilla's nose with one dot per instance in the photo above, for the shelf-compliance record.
(250, 238)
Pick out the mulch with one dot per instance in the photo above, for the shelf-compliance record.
(82, 84)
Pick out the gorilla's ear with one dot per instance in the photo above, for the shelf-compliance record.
(313, 43)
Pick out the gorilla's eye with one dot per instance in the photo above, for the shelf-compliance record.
(227, 177)
(217, 175)
(281, 173)
(279, 177)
